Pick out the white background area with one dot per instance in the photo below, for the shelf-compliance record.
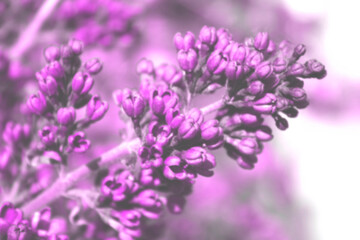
(326, 151)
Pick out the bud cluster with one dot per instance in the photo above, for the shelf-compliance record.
(52, 129)
(65, 88)
(41, 225)
(261, 79)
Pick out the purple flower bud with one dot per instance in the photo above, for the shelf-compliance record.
(78, 143)
(148, 177)
(263, 70)
(297, 94)
(299, 51)
(10, 214)
(144, 153)
(146, 198)
(37, 103)
(281, 123)
(77, 46)
(234, 71)
(67, 53)
(114, 189)
(93, 66)
(156, 150)
(249, 119)
(188, 129)
(188, 60)
(47, 85)
(178, 41)
(175, 203)
(217, 63)
(52, 53)
(247, 146)
(174, 168)
(265, 105)
(162, 101)
(222, 43)
(47, 135)
(96, 108)
(198, 157)
(132, 103)
(297, 69)
(255, 88)
(20, 231)
(315, 69)
(129, 218)
(264, 133)
(145, 66)
(208, 35)
(223, 33)
(66, 116)
(254, 59)
(261, 41)
(279, 65)
(82, 83)
(170, 74)
(291, 112)
(211, 132)
(195, 114)
(174, 118)
(40, 222)
(246, 162)
(239, 53)
(283, 102)
(118, 97)
(271, 47)
(184, 43)
(55, 69)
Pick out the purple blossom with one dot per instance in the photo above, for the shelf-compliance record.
(96, 108)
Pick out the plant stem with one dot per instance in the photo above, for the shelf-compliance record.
(27, 37)
(106, 159)
(213, 106)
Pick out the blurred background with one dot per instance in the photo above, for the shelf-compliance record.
(304, 184)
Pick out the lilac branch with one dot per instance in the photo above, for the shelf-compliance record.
(106, 160)
(27, 37)
(59, 187)
(213, 107)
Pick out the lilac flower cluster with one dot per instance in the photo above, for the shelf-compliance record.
(171, 143)
(260, 77)
(64, 88)
(51, 129)
(13, 226)
(98, 21)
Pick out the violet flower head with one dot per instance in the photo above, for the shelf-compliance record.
(93, 66)
(37, 103)
(132, 103)
(82, 83)
(96, 108)
(78, 142)
(66, 116)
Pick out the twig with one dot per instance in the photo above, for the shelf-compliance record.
(27, 37)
